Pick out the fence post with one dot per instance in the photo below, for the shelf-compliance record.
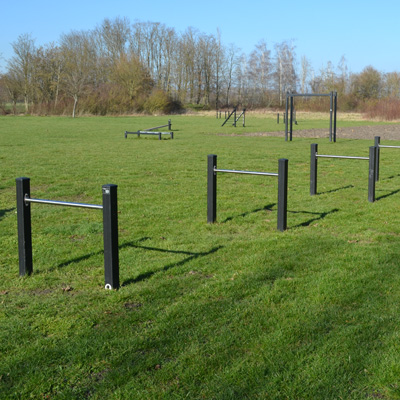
(313, 169)
(211, 189)
(110, 235)
(378, 153)
(24, 227)
(282, 193)
(372, 173)
(277, 118)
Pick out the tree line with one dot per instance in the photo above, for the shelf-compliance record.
(119, 67)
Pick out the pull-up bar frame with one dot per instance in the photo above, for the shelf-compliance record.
(289, 112)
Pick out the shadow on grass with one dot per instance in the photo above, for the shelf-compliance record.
(387, 195)
(337, 189)
(318, 217)
(267, 207)
(389, 177)
(5, 211)
(136, 244)
(95, 253)
(147, 275)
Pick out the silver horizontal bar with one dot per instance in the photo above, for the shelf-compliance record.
(234, 171)
(392, 147)
(63, 203)
(353, 158)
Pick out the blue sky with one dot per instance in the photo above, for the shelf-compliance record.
(364, 32)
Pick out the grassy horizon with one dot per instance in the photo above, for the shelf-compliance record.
(232, 310)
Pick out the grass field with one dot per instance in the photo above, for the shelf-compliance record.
(232, 310)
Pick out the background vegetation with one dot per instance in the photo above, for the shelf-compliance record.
(119, 68)
(233, 310)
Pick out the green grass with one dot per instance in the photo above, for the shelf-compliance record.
(232, 310)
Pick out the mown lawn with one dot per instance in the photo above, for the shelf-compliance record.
(232, 310)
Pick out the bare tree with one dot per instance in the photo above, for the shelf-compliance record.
(304, 73)
(21, 65)
(285, 75)
(79, 62)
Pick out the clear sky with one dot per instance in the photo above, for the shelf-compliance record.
(365, 32)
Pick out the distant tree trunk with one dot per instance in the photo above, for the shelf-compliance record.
(74, 108)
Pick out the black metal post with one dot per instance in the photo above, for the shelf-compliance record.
(378, 153)
(172, 135)
(110, 234)
(24, 227)
(372, 174)
(234, 123)
(313, 169)
(244, 117)
(282, 193)
(286, 116)
(330, 116)
(211, 189)
(291, 116)
(277, 118)
(169, 124)
(334, 117)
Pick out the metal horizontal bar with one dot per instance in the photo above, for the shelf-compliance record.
(63, 203)
(353, 158)
(156, 127)
(392, 147)
(309, 95)
(234, 171)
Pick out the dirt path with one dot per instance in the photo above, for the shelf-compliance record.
(386, 132)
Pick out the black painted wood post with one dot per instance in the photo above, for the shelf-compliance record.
(378, 153)
(211, 189)
(24, 227)
(110, 236)
(313, 169)
(372, 173)
(282, 193)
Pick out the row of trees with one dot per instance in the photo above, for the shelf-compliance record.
(120, 67)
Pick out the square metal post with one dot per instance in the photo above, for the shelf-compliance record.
(169, 123)
(286, 116)
(313, 169)
(334, 116)
(211, 189)
(372, 174)
(378, 153)
(291, 116)
(110, 235)
(24, 227)
(282, 193)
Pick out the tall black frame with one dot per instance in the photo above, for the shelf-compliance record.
(289, 112)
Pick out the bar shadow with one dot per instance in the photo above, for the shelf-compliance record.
(387, 195)
(389, 177)
(245, 214)
(95, 253)
(147, 275)
(318, 217)
(336, 190)
(5, 211)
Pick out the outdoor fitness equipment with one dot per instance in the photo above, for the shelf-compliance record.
(371, 175)
(378, 145)
(110, 229)
(282, 188)
(243, 113)
(150, 131)
(289, 112)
